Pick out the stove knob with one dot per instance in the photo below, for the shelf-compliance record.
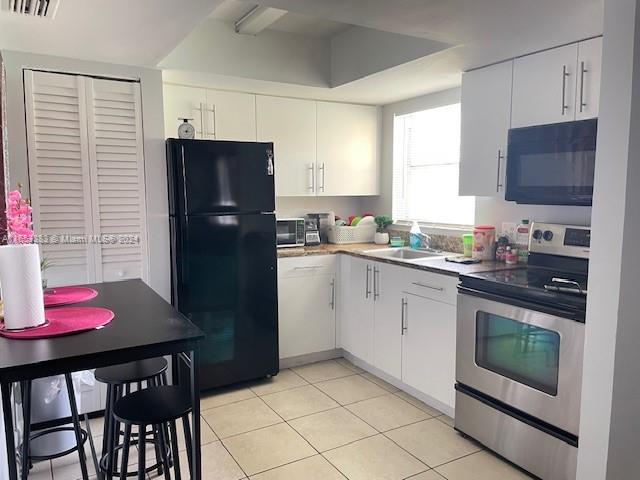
(537, 234)
(547, 235)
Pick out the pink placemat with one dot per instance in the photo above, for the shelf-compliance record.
(65, 321)
(68, 295)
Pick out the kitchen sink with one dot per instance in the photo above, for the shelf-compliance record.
(404, 253)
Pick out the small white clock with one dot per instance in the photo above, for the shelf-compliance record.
(186, 130)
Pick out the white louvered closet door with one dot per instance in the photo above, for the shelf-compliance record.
(86, 173)
(59, 173)
(117, 178)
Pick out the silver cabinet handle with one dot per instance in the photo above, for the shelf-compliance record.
(430, 287)
(367, 291)
(582, 72)
(201, 131)
(376, 283)
(312, 177)
(332, 302)
(498, 182)
(213, 111)
(565, 74)
(403, 326)
(310, 267)
(321, 169)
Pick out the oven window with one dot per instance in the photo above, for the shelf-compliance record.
(525, 353)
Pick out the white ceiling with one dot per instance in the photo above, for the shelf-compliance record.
(486, 30)
(143, 32)
(291, 22)
(130, 32)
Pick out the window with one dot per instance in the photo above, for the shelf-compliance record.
(426, 162)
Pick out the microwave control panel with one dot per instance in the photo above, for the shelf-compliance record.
(565, 240)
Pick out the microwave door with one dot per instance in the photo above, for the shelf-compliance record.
(551, 165)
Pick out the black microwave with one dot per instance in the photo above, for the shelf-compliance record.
(552, 164)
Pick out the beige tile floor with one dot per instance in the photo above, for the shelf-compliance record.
(324, 421)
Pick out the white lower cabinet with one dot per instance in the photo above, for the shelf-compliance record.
(357, 327)
(402, 321)
(306, 305)
(429, 347)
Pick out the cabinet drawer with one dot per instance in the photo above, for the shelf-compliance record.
(432, 285)
(305, 266)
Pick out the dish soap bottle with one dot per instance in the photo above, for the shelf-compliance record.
(522, 241)
(415, 236)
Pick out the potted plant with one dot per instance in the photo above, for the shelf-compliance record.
(382, 236)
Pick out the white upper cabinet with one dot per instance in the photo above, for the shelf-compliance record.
(347, 161)
(544, 87)
(215, 114)
(589, 69)
(486, 118)
(183, 102)
(230, 116)
(291, 125)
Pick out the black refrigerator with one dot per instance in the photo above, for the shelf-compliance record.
(223, 254)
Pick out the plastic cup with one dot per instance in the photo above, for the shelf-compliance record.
(467, 244)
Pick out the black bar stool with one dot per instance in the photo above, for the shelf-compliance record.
(28, 437)
(159, 407)
(120, 379)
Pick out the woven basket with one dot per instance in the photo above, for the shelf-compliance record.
(358, 234)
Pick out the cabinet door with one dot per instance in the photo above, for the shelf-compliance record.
(429, 348)
(230, 116)
(306, 314)
(59, 174)
(544, 87)
(116, 160)
(357, 327)
(347, 150)
(291, 125)
(589, 69)
(183, 102)
(387, 328)
(486, 118)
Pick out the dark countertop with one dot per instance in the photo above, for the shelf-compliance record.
(435, 265)
(143, 321)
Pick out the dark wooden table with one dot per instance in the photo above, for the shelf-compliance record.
(145, 326)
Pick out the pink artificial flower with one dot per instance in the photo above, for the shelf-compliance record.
(19, 220)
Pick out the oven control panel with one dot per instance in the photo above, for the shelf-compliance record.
(565, 240)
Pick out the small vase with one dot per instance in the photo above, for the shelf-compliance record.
(381, 238)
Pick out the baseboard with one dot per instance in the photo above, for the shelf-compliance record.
(432, 402)
(310, 358)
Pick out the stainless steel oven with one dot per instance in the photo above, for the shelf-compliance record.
(526, 359)
(519, 352)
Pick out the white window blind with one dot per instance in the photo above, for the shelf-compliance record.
(426, 164)
(86, 176)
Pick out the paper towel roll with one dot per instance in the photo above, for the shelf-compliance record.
(21, 284)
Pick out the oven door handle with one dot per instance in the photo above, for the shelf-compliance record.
(575, 315)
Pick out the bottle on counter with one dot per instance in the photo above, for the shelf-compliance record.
(511, 256)
(522, 240)
(415, 236)
(501, 248)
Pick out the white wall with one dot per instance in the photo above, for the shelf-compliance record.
(609, 423)
(342, 206)
(272, 56)
(358, 52)
(492, 211)
(154, 151)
